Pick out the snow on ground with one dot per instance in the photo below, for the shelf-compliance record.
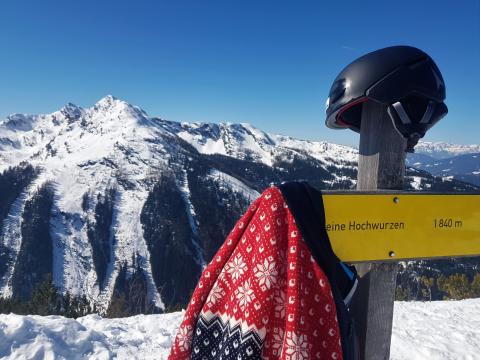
(90, 337)
(442, 330)
(50, 337)
(137, 337)
(436, 330)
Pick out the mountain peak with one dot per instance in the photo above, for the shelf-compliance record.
(111, 104)
(107, 102)
(71, 105)
(72, 111)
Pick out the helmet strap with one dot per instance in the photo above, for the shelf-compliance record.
(399, 116)
(401, 113)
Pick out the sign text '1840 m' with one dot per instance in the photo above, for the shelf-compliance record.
(447, 223)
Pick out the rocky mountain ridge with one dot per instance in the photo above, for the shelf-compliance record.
(119, 199)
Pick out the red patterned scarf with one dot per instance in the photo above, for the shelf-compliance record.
(262, 296)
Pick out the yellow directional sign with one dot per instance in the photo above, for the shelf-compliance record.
(375, 227)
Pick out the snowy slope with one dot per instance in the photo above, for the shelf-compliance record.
(83, 153)
(114, 144)
(433, 330)
(243, 141)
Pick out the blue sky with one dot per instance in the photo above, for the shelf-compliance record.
(269, 63)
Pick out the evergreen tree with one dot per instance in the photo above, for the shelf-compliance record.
(402, 294)
(13, 182)
(426, 287)
(35, 258)
(117, 307)
(45, 300)
(457, 287)
(99, 233)
(168, 234)
(130, 295)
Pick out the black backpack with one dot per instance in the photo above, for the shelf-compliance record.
(306, 206)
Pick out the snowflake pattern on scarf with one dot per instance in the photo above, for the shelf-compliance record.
(262, 296)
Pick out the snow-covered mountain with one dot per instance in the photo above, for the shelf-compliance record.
(107, 198)
(461, 162)
(464, 167)
(443, 150)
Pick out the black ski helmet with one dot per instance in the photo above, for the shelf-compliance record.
(404, 78)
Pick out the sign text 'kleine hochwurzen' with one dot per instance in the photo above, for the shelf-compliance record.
(365, 225)
(375, 227)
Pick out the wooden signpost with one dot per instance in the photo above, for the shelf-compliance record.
(381, 165)
(381, 223)
(392, 96)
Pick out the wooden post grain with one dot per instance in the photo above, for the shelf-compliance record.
(381, 165)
